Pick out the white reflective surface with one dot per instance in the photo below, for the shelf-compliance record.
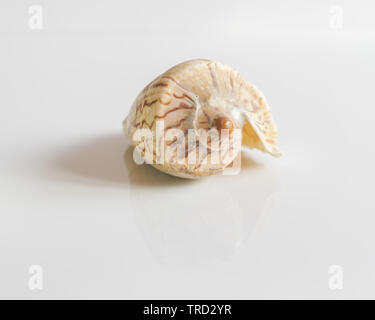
(100, 226)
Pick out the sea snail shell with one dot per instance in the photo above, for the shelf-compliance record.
(191, 120)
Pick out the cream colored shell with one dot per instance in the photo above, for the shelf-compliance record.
(193, 95)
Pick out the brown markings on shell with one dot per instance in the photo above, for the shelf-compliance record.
(145, 103)
(184, 95)
(160, 84)
(148, 104)
(178, 123)
(182, 105)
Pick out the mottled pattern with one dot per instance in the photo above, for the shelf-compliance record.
(192, 95)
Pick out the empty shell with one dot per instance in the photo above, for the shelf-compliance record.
(192, 120)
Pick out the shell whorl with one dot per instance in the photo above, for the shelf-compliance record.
(193, 95)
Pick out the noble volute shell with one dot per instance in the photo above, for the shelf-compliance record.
(199, 95)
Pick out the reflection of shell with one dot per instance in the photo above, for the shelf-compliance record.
(200, 95)
(189, 224)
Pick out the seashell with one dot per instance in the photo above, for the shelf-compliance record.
(191, 121)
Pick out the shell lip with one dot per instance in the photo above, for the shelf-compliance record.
(271, 149)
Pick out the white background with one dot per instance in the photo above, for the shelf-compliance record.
(73, 201)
